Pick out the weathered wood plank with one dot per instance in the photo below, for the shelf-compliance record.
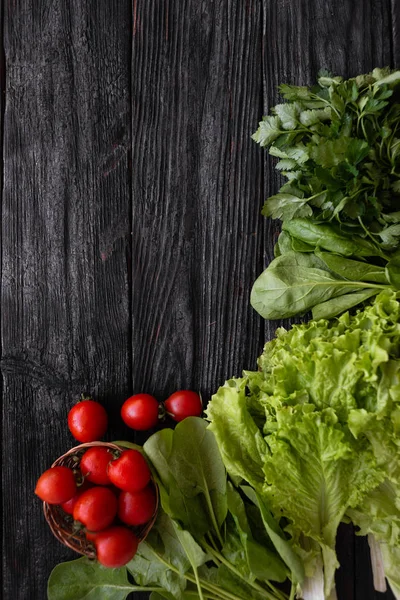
(395, 32)
(66, 215)
(299, 38)
(196, 191)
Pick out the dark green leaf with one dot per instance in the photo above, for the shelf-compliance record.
(263, 564)
(327, 237)
(294, 283)
(159, 558)
(284, 244)
(396, 186)
(336, 306)
(189, 465)
(235, 584)
(356, 151)
(277, 536)
(353, 270)
(393, 272)
(300, 246)
(348, 129)
(85, 579)
(193, 551)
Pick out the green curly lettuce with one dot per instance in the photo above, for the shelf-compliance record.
(320, 420)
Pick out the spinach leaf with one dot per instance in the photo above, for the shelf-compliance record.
(186, 595)
(393, 271)
(165, 558)
(85, 579)
(235, 584)
(336, 306)
(353, 270)
(161, 560)
(193, 551)
(283, 245)
(295, 282)
(326, 236)
(190, 469)
(262, 563)
(277, 536)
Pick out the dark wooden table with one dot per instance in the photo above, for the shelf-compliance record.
(131, 227)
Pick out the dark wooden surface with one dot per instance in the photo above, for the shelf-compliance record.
(131, 227)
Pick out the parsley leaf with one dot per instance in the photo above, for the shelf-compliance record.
(339, 141)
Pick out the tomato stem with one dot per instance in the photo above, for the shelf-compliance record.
(161, 411)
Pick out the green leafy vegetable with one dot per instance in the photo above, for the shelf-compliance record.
(353, 270)
(84, 579)
(339, 141)
(329, 237)
(192, 475)
(203, 544)
(324, 409)
(263, 563)
(296, 282)
(338, 144)
(277, 536)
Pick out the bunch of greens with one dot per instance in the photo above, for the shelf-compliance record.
(319, 268)
(339, 147)
(316, 433)
(211, 540)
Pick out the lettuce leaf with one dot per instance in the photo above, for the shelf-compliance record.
(316, 430)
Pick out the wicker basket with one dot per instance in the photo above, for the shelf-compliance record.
(62, 524)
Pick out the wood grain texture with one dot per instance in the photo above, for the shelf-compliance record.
(131, 226)
(395, 30)
(196, 190)
(65, 216)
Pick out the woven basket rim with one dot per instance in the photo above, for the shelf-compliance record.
(61, 524)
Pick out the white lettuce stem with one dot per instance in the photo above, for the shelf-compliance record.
(377, 564)
(312, 588)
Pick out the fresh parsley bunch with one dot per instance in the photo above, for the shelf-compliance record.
(338, 144)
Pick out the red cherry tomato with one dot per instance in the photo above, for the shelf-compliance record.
(183, 404)
(87, 421)
(140, 412)
(115, 546)
(94, 463)
(68, 506)
(56, 485)
(129, 472)
(137, 508)
(96, 508)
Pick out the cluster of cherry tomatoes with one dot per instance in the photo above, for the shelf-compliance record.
(104, 494)
(142, 411)
(108, 492)
(87, 421)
